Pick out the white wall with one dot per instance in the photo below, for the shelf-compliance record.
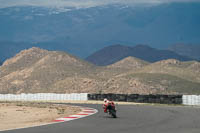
(187, 99)
(44, 96)
(191, 99)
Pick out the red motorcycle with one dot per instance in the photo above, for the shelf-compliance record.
(112, 111)
(109, 108)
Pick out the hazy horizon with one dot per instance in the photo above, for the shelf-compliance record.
(82, 27)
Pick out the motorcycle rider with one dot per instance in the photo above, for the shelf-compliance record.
(107, 103)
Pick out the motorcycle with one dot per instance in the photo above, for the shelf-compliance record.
(112, 111)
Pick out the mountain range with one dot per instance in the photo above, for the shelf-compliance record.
(90, 33)
(82, 31)
(37, 70)
(114, 53)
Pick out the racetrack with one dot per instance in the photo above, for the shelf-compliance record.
(132, 119)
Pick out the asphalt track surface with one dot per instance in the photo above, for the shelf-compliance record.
(131, 119)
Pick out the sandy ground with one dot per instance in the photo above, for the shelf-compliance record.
(19, 115)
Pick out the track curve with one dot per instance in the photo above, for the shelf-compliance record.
(132, 118)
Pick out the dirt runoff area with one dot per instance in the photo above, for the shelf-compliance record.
(20, 114)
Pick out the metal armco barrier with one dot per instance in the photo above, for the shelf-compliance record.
(162, 99)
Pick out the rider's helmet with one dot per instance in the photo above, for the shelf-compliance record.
(105, 100)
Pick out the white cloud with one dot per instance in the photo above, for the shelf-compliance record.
(80, 3)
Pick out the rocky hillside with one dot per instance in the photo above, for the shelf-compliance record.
(36, 70)
(167, 76)
(129, 63)
(115, 53)
(185, 70)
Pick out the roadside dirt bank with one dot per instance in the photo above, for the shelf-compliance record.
(25, 114)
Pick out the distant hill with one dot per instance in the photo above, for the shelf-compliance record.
(120, 67)
(9, 49)
(37, 70)
(151, 83)
(189, 50)
(109, 55)
(129, 63)
(114, 53)
(166, 76)
(186, 70)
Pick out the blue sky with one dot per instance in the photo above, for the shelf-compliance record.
(82, 3)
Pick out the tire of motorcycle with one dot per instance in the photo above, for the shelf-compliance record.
(113, 113)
